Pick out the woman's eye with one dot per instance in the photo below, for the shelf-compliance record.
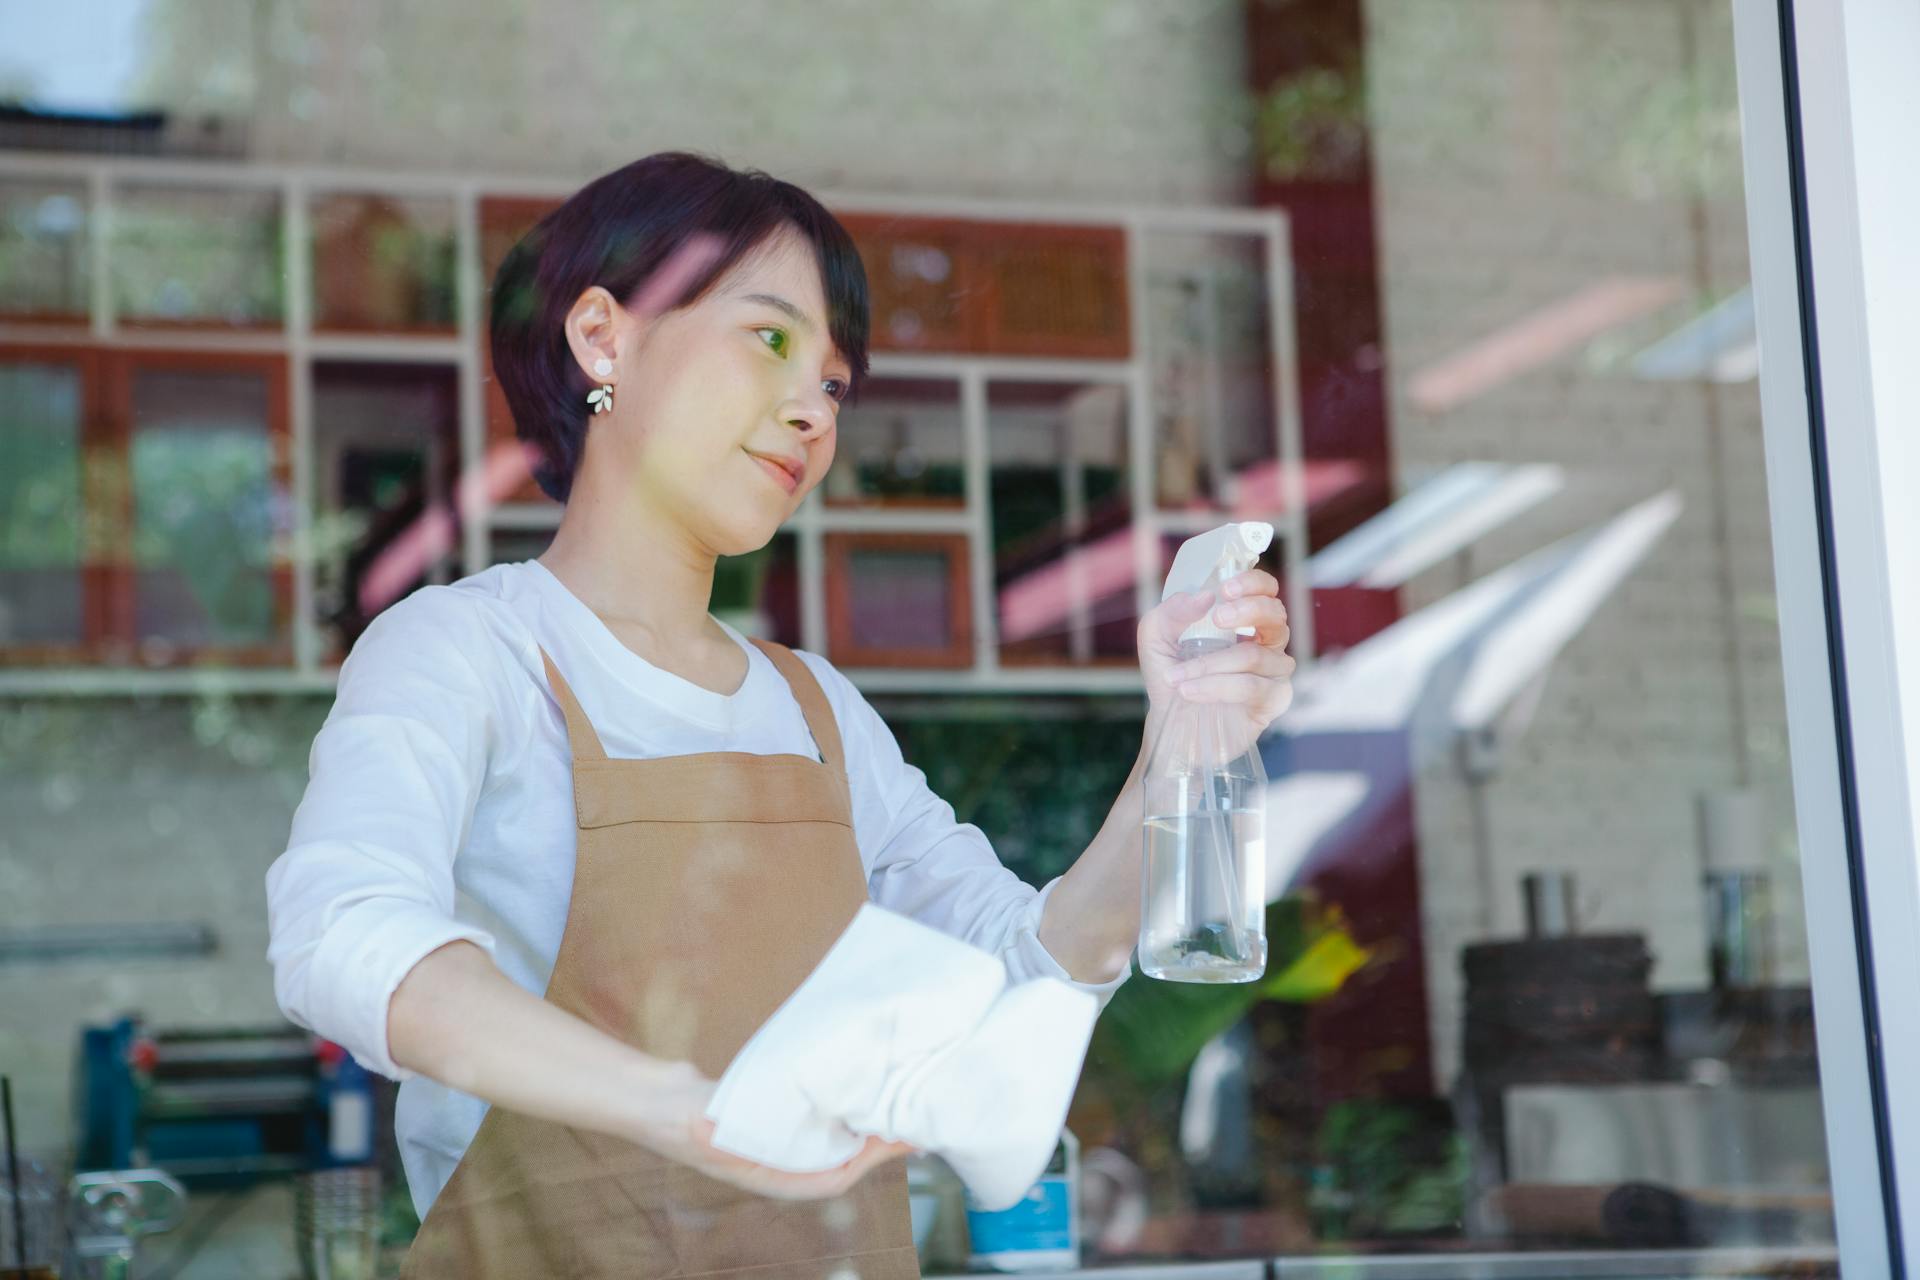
(837, 388)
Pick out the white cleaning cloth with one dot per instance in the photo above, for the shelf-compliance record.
(906, 1033)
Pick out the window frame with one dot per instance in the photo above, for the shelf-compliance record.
(109, 577)
(1827, 108)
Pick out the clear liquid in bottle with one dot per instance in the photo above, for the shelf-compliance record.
(1203, 916)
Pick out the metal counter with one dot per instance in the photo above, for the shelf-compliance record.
(1597, 1264)
(1576, 1264)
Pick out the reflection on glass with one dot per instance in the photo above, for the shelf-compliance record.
(1531, 509)
(1209, 335)
(40, 505)
(900, 444)
(197, 256)
(1540, 569)
(383, 263)
(385, 445)
(208, 501)
(43, 250)
(1440, 517)
(1062, 522)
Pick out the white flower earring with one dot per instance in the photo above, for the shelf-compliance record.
(601, 397)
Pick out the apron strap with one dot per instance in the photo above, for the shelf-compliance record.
(580, 733)
(812, 699)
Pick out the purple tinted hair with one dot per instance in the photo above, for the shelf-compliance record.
(616, 232)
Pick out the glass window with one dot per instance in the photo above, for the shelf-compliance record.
(44, 254)
(385, 447)
(197, 256)
(1538, 980)
(210, 511)
(1064, 559)
(898, 599)
(383, 264)
(900, 444)
(41, 504)
(1210, 357)
(1454, 293)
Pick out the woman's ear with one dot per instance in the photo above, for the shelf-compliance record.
(599, 329)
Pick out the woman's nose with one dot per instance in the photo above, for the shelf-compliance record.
(812, 415)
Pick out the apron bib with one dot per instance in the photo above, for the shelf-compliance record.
(707, 888)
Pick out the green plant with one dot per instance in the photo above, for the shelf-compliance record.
(1152, 1031)
(1403, 1166)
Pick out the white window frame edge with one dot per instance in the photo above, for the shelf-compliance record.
(1824, 91)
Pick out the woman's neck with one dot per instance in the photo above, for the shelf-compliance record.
(643, 579)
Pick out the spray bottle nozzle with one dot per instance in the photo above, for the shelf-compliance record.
(1210, 558)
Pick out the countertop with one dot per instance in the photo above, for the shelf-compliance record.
(1609, 1264)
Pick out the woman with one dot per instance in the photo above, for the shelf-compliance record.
(564, 776)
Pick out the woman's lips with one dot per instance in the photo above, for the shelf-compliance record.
(783, 477)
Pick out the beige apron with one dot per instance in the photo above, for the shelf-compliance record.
(707, 887)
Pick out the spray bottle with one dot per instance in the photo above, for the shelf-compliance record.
(1203, 879)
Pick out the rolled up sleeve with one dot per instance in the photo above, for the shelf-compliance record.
(365, 887)
(1027, 957)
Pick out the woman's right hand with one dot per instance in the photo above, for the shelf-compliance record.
(677, 1127)
(459, 1020)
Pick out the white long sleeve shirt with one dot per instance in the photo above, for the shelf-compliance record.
(439, 806)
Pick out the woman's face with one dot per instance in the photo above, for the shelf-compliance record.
(724, 411)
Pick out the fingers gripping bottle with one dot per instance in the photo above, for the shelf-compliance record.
(1204, 877)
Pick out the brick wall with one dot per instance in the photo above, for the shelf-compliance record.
(1131, 100)
(1524, 151)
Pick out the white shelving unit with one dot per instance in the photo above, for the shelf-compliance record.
(104, 178)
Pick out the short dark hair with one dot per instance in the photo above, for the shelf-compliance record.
(616, 232)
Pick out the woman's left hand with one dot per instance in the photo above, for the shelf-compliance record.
(1253, 678)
